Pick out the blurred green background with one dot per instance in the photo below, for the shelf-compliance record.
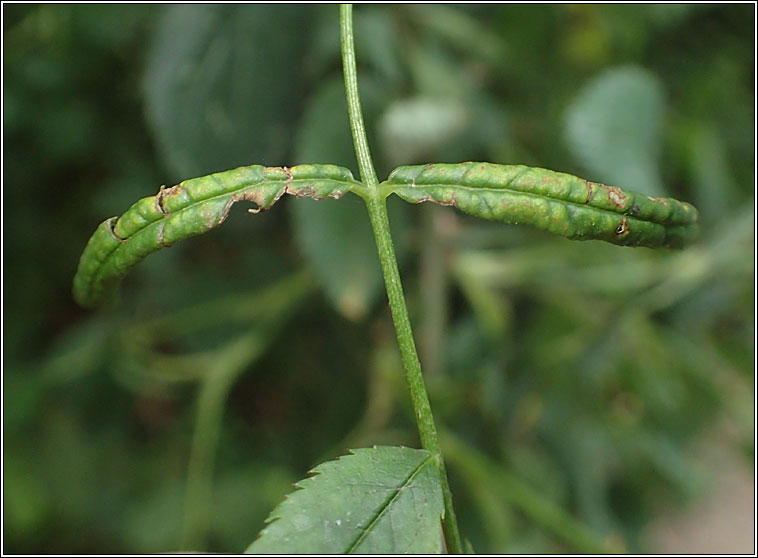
(572, 380)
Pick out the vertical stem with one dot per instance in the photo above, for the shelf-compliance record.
(377, 210)
(365, 163)
(423, 411)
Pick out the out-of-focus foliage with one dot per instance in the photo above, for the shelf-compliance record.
(613, 128)
(581, 372)
(216, 81)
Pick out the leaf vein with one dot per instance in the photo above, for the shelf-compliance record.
(387, 504)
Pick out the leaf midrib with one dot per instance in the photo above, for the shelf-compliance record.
(381, 510)
(393, 189)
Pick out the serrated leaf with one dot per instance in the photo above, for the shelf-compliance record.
(214, 93)
(380, 500)
(613, 128)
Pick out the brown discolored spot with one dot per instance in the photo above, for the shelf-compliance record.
(164, 193)
(635, 209)
(112, 227)
(615, 194)
(160, 198)
(622, 228)
(288, 189)
(664, 201)
(451, 201)
(591, 188)
(253, 196)
(161, 235)
(212, 217)
(443, 201)
(159, 201)
(302, 192)
(287, 172)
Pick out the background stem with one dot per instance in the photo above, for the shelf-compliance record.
(231, 362)
(377, 210)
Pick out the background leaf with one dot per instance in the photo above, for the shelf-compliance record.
(382, 500)
(411, 128)
(613, 128)
(214, 85)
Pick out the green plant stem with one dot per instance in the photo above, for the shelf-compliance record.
(422, 409)
(365, 163)
(377, 209)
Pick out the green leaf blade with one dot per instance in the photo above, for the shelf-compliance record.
(375, 500)
(556, 202)
(188, 209)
